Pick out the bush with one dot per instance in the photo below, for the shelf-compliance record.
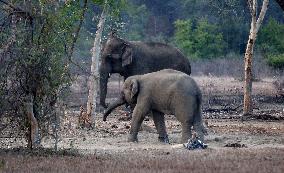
(276, 61)
(203, 41)
(271, 43)
(271, 37)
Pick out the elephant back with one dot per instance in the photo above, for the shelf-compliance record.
(150, 57)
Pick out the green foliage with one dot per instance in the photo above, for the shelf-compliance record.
(204, 41)
(112, 3)
(184, 37)
(271, 43)
(39, 64)
(113, 18)
(276, 61)
(54, 41)
(271, 37)
(99, 2)
(136, 21)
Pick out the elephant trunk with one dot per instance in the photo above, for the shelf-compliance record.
(120, 101)
(104, 75)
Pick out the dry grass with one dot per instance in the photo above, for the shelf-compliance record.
(210, 160)
(232, 66)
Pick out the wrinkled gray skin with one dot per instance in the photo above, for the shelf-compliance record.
(164, 92)
(130, 58)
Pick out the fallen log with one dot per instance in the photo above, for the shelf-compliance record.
(222, 109)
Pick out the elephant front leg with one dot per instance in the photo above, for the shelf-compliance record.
(136, 121)
(159, 121)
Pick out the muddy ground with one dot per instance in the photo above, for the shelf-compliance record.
(253, 144)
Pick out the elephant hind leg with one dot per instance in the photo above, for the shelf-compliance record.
(198, 125)
(159, 121)
(200, 130)
(185, 116)
(186, 131)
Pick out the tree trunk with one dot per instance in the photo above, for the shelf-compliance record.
(33, 131)
(248, 76)
(94, 77)
(255, 25)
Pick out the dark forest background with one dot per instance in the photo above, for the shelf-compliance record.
(202, 29)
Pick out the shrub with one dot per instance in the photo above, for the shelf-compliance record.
(276, 61)
(271, 43)
(202, 41)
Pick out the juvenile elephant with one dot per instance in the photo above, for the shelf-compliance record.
(164, 92)
(130, 58)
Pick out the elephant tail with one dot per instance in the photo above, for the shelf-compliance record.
(198, 122)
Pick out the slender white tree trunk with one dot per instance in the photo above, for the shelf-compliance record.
(255, 25)
(94, 77)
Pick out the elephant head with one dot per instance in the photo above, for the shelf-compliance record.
(130, 90)
(128, 95)
(116, 54)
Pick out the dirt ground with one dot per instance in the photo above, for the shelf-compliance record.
(254, 144)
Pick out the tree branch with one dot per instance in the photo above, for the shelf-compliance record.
(261, 14)
(77, 31)
(75, 38)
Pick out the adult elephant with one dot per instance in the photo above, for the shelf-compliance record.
(130, 58)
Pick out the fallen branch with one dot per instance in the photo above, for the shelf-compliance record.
(223, 109)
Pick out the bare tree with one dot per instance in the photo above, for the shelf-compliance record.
(94, 77)
(255, 25)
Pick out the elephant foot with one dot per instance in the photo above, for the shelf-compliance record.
(164, 139)
(132, 138)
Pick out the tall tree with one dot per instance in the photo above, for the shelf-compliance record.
(94, 77)
(255, 25)
(115, 6)
(38, 39)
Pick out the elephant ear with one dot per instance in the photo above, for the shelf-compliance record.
(126, 55)
(133, 88)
